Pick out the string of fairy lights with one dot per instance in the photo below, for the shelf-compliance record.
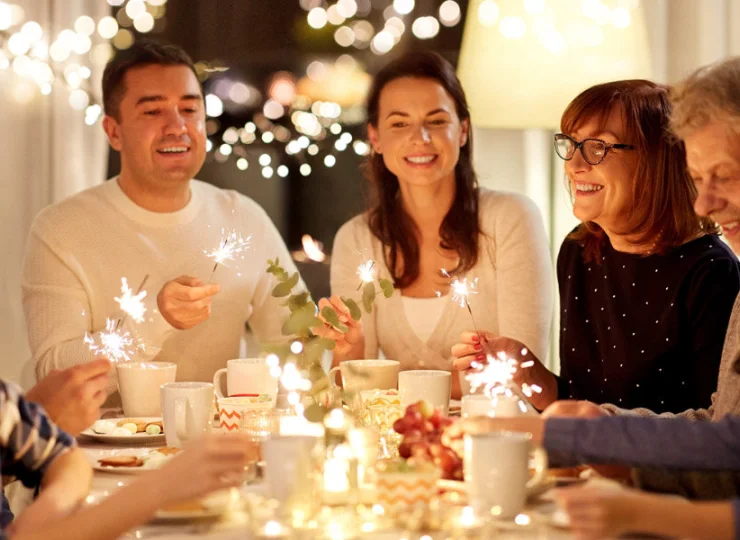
(380, 25)
(287, 129)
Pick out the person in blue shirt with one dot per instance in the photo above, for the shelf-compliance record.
(36, 451)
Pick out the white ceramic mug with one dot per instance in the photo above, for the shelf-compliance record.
(476, 405)
(138, 385)
(433, 386)
(186, 410)
(246, 377)
(358, 375)
(496, 471)
(498, 406)
(289, 471)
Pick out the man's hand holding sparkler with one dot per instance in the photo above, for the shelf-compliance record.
(350, 345)
(185, 302)
(474, 348)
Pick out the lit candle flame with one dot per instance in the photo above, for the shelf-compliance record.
(117, 346)
(312, 248)
(367, 272)
(131, 303)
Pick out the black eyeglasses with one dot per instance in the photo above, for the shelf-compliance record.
(593, 150)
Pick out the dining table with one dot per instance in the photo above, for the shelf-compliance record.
(535, 522)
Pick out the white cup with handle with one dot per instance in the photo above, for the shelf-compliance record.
(370, 374)
(186, 411)
(138, 385)
(496, 471)
(431, 385)
(497, 406)
(246, 377)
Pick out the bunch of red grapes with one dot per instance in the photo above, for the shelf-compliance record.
(430, 436)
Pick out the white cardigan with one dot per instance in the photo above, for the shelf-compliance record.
(515, 289)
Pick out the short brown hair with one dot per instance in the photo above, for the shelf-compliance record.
(142, 53)
(662, 198)
(710, 93)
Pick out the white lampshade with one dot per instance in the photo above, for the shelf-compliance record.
(522, 61)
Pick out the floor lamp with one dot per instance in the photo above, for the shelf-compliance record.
(522, 61)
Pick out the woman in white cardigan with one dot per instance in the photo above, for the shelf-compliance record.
(428, 214)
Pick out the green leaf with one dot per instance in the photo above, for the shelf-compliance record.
(387, 286)
(315, 413)
(330, 316)
(321, 343)
(354, 310)
(301, 321)
(283, 289)
(297, 301)
(282, 350)
(368, 297)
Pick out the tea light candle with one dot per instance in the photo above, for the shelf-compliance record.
(467, 518)
(298, 425)
(273, 529)
(338, 469)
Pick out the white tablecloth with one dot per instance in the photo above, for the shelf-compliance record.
(234, 526)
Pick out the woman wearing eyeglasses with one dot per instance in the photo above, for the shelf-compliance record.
(646, 286)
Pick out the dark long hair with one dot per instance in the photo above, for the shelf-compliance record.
(387, 218)
(661, 208)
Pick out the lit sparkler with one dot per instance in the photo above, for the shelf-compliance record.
(496, 378)
(498, 372)
(461, 291)
(112, 343)
(132, 304)
(366, 272)
(231, 246)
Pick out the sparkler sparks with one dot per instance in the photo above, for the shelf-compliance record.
(230, 247)
(462, 289)
(116, 345)
(367, 272)
(496, 378)
(497, 373)
(132, 304)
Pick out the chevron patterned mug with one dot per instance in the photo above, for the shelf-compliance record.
(231, 410)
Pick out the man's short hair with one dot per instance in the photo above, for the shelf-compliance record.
(142, 53)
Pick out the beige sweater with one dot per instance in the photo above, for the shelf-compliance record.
(514, 282)
(79, 249)
(726, 400)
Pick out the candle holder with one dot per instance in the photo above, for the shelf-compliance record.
(340, 482)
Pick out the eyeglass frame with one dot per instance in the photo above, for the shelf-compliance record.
(579, 145)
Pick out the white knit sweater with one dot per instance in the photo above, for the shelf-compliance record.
(515, 288)
(79, 249)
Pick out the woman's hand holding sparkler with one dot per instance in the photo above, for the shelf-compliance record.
(185, 302)
(349, 345)
(472, 353)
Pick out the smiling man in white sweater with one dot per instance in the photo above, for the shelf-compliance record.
(153, 219)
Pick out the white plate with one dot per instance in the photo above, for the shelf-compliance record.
(214, 505)
(94, 457)
(138, 438)
(460, 487)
